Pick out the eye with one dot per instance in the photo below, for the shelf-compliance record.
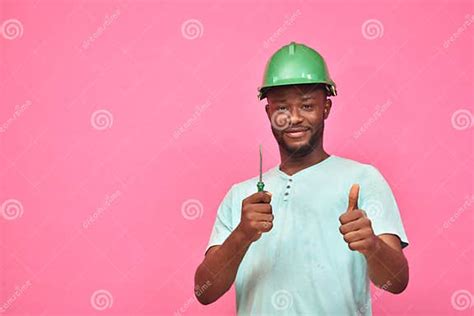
(307, 106)
(282, 108)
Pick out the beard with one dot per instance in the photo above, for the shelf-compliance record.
(300, 150)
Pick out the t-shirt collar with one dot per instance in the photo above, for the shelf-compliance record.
(316, 166)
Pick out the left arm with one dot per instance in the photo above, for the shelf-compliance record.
(387, 265)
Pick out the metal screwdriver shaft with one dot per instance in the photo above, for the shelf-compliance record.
(260, 184)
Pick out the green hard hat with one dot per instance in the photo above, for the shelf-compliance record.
(296, 63)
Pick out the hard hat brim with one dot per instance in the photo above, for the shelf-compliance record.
(330, 88)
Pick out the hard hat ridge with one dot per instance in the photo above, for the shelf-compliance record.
(296, 63)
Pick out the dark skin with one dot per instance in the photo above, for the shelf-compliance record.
(298, 106)
(301, 109)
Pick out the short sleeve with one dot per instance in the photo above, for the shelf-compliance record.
(377, 200)
(223, 222)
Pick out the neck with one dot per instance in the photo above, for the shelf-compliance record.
(291, 164)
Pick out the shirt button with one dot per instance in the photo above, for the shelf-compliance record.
(287, 186)
(286, 193)
(290, 180)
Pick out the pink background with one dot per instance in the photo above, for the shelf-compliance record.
(124, 123)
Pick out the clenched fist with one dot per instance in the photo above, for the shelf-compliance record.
(357, 227)
(256, 217)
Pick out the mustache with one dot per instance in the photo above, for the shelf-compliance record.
(296, 129)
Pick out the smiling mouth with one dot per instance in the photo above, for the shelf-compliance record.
(296, 134)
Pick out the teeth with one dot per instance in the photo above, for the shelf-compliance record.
(295, 134)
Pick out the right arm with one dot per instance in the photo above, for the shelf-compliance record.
(216, 274)
(219, 268)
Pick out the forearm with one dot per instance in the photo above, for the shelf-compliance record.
(218, 270)
(387, 268)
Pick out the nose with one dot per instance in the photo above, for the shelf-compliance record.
(295, 116)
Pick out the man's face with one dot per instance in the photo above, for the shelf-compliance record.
(297, 115)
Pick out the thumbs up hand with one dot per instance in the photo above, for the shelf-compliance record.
(356, 227)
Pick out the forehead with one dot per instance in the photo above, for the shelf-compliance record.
(295, 92)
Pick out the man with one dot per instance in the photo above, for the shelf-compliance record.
(325, 226)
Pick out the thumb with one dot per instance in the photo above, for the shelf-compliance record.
(353, 197)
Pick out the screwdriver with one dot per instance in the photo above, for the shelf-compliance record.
(260, 183)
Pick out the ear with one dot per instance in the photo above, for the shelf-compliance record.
(267, 109)
(327, 108)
